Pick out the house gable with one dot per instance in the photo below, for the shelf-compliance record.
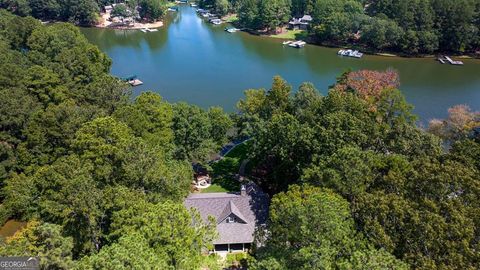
(231, 211)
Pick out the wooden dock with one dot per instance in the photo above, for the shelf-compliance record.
(452, 62)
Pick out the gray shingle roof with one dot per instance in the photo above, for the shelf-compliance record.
(252, 209)
(231, 208)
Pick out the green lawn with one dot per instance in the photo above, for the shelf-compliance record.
(224, 170)
(213, 189)
(222, 184)
(291, 34)
(231, 18)
(241, 151)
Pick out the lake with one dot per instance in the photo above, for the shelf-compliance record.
(191, 60)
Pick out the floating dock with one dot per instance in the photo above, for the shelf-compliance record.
(452, 62)
(350, 53)
(446, 59)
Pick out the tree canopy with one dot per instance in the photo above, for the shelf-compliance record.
(100, 176)
(91, 168)
(406, 194)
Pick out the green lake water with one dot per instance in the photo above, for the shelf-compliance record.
(191, 60)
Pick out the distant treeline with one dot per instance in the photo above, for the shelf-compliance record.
(82, 12)
(408, 26)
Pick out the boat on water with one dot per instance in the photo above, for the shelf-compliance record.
(297, 44)
(144, 30)
(193, 5)
(152, 30)
(173, 9)
(231, 29)
(287, 42)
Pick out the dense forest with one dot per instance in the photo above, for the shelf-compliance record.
(96, 175)
(100, 176)
(407, 26)
(81, 12)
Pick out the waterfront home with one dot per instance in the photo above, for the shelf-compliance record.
(237, 216)
(300, 23)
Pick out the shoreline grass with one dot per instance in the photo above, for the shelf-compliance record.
(290, 34)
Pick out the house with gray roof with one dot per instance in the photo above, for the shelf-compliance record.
(300, 23)
(237, 215)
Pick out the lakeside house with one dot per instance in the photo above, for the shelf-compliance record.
(300, 23)
(237, 216)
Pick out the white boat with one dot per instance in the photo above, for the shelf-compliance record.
(297, 44)
(341, 52)
(193, 5)
(287, 42)
(231, 30)
(152, 30)
(144, 30)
